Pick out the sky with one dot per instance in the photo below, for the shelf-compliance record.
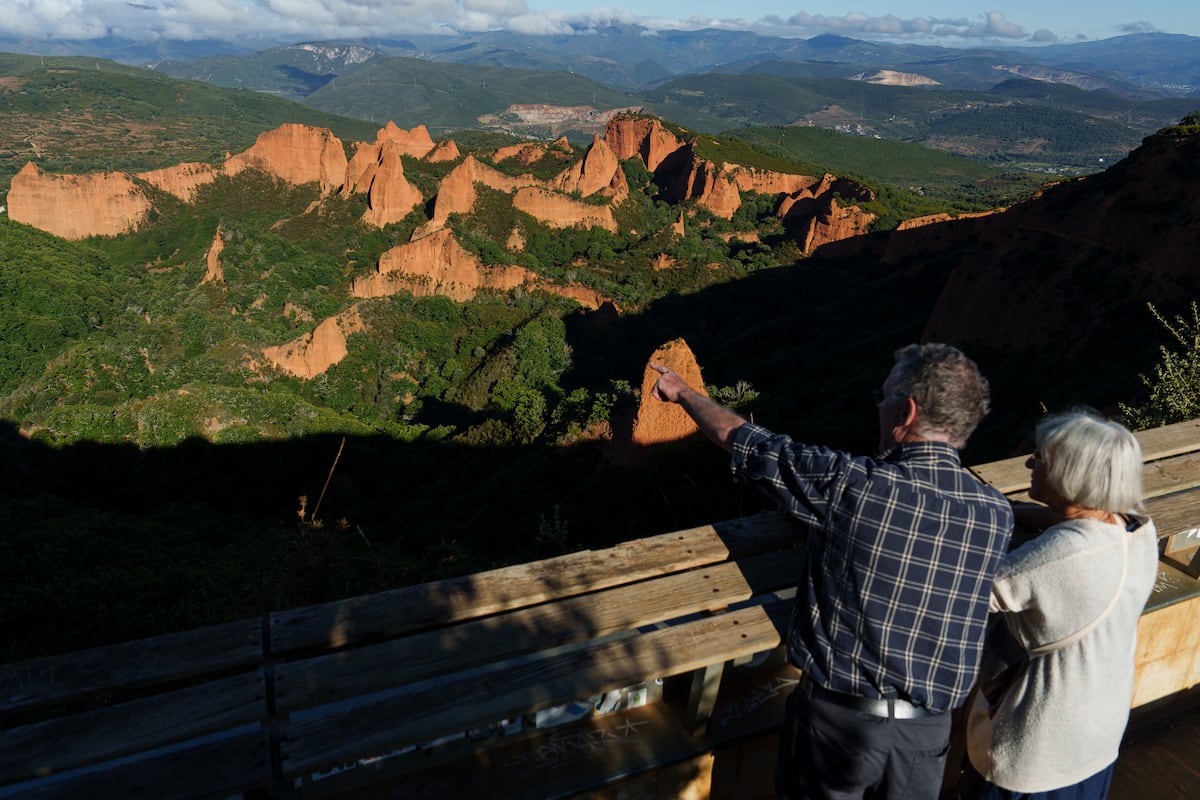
(952, 23)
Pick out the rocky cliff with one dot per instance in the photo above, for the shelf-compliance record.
(296, 154)
(76, 206)
(313, 353)
(1079, 261)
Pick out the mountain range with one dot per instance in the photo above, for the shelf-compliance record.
(1061, 108)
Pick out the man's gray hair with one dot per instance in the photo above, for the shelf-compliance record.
(1090, 461)
(947, 387)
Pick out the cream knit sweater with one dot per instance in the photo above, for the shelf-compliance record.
(1063, 718)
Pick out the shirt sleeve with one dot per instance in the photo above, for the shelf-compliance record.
(800, 478)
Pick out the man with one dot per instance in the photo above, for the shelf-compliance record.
(891, 606)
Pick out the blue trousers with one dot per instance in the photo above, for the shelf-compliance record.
(973, 786)
(828, 752)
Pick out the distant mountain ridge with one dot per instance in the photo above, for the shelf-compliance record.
(714, 80)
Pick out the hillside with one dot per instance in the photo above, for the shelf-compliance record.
(83, 114)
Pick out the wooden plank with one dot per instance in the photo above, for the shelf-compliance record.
(401, 611)
(426, 711)
(1010, 475)
(1159, 477)
(172, 657)
(1175, 515)
(560, 762)
(1171, 475)
(303, 684)
(78, 740)
(206, 770)
(1170, 440)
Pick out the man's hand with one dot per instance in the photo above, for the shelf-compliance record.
(714, 420)
(669, 386)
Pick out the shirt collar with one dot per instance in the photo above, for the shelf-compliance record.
(931, 452)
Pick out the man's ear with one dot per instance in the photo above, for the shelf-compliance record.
(911, 413)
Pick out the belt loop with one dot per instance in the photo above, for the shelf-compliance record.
(891, 708)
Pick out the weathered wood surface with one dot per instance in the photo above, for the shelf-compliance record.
(169, 658)
(50, 747)
(358, 620)
(425, 711)
(441, 652)
(1011, 476)
(207, 770)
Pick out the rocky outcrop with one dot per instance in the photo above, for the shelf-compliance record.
(214, 273)
(594, 173)
(765, 181)
(296, 154)
(313, 353)
(390, 197)
(832, 223)
(560, 211)
(711, 188)
(532, 152)
(182, 180)
(444, 151)
(416, 142)
(77, 206)
(456, 193)
(437, 264)
(658, 421)
(643, 137)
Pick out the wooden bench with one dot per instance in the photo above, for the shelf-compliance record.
(290, 701)
(667, 649)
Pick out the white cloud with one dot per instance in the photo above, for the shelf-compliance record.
(316, 19)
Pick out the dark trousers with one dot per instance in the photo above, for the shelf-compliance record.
(829, 752)
(973, 786)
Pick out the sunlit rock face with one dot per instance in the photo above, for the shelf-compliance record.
(77, 206)
(658, 421)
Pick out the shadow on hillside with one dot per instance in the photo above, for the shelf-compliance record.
(113, 542)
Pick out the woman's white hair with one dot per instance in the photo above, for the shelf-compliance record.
(1091, 461)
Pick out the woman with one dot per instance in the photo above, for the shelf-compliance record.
(1071, 598)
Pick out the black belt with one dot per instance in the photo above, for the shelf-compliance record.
(889, 707)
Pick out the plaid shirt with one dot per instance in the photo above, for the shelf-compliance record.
(902, 550)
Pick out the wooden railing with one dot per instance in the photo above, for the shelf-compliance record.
(541, 679)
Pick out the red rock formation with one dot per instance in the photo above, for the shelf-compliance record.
(643, 137)
(297, 154)
(525, 152)
(313, 353)
(215, 274)
(767, 182)
(932, 219)
(560, 211)
(712, 189)
(658, 421)
(182, 180)
(456, 193)
(416, 142)
(593, 173)
(77, 206)
(834, 222)
(445, 151)
(437, 264)
(390, 197)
